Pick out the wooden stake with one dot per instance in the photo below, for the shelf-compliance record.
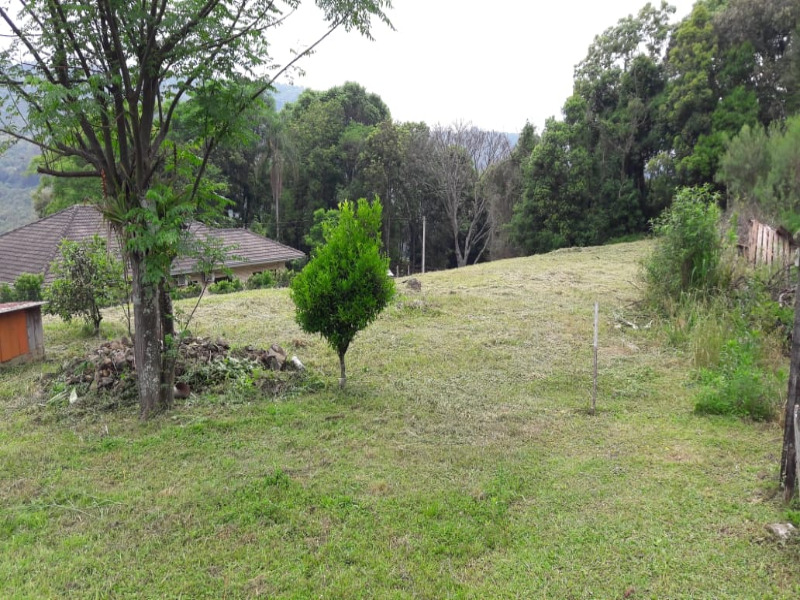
(594, 387)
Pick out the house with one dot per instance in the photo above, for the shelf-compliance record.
(21, 333)
(31, 248)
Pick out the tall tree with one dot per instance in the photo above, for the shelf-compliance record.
(330, 131)
(461, 155)
(101, 83)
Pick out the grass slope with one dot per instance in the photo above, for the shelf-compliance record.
(460, 463)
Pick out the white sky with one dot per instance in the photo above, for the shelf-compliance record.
(496, 64)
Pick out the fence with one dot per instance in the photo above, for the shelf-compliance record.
(768, 246)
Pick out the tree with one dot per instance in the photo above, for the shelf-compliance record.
(330, 130)
(101, 82)
(87, 278)
(461, 154)
(346, 285)
(558, 187)
(57, 193)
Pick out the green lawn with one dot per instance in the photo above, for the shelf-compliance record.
(460, 462)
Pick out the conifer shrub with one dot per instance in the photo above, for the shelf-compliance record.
(346, 284)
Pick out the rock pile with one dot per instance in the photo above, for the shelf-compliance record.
(111, 367)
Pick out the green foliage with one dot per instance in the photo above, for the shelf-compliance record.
(87, 278)
(57, 193)
(226, 286)
(229, 369)
(346, 285)
(257, 281)
(28, 287)
(760, 168)
(7, 293)
(688, 254)
(324, 221)
(192, 290)
(284, 277)
(738, 386)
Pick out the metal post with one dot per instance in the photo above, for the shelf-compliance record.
(424, 223)
(594, 387)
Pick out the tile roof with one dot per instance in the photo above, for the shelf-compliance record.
(31, 248)
(243, 248)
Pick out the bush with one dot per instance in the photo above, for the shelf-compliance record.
(261, 280)
(226, 286)
(28, 287)
(7, 293)
(189, 291)
(284, 278)
(87, 279)
(688, 253)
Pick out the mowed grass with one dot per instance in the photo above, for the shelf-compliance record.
(461, 461)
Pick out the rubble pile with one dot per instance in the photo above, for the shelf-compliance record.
(111, 367)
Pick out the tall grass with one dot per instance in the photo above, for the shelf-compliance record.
(731, 331)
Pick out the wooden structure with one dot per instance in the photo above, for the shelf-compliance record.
(21, 333)
(768, 246)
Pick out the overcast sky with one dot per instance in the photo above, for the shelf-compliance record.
(496, 64)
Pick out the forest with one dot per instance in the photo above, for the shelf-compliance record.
(656, 106)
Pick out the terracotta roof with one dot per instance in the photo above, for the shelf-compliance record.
(31, 248)
(9, 307)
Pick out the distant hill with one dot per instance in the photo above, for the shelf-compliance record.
(286, 94)
(16, 186)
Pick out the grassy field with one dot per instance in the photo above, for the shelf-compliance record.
(461, 462)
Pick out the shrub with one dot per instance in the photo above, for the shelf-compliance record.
(28, 287)
(261, 280)
(688, 253)
(86, 280)
(7, 293)
(345, 286)
(189, 291)
(284, 278)
(226, 286)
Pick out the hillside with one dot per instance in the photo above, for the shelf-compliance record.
(460, 462)
(16, 185)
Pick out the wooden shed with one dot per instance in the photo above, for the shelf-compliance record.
(21, 333)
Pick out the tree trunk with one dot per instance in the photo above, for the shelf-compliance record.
(170, 345)
(788, 478)
(147, 342)
(342, 376)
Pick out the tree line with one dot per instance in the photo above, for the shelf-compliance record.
(655, 106)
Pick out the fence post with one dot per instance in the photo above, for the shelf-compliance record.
(594, 385)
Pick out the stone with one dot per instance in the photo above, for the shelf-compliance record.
(414, 284)
(782, 531)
